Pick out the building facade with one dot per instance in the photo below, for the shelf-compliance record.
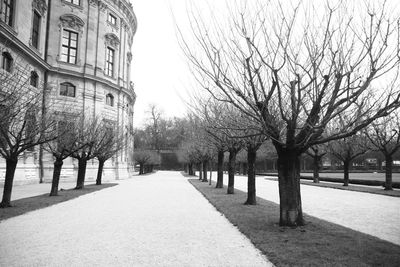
(81, 51)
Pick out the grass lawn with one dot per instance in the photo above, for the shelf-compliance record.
(24, 205)
(358, 188)
(318, 243)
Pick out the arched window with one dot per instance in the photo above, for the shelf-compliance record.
(7, 61)
(34, 79)
(110, 100)
(67, 89)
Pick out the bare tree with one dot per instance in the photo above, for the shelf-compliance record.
(348, 149)
(212, 113)
(294, 69)
(155, 127)
(384, 136)
(187, 155)
(23, 125)
(142, 157)
(63, 147)
(87, 135)
(109, 141)
(317, 152)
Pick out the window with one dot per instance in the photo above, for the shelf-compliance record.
(35, 29)
(69, 46)
(67, 89)
(112, 19)
(7, 61)
(110, 62)
(7, 11)
(75, 2)
(34, 79)
(110, 100)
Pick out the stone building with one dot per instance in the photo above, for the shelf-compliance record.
(81, 51)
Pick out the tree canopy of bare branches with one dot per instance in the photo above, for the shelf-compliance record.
(23, 125)
(294, 68)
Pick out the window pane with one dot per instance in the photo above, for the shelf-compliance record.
(72, 59)
(73, 44)
(73, 52)
(71, 91)
(74, 36)
(66, 34)
(65, 41)
(35, 29)
(63, 89)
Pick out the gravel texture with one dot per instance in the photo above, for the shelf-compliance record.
(156, 220)
(372, 214)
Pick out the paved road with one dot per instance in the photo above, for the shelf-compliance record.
(372, 214)
(156, 220)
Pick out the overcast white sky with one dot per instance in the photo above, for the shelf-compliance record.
(159, 69)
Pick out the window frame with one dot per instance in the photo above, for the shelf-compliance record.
(7, 12)
(69, 47)
(35, 81)
(113, 17)
(68, 85)
(110, 64)
(35, 34)
(110, 100)
(7, 62)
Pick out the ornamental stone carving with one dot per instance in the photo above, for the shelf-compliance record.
(103, 6)
(129, 56)
(40, 6)
(72, 21)
(111, 40)
(94, 2)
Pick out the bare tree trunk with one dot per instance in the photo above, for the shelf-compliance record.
(316, 167)
(220, 170)
(205, 166)
(210, 169)
(11, 165)
(231, 171)
(346, 168)
(291, 213)
(251, 177)
(200, 171)
(41, 168)
(58, 163)
(100, 172)
(388, 172)
(190, 168)
(141, 168)
(80, 182)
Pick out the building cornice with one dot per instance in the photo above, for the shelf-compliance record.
(128, 91)
(11, 37)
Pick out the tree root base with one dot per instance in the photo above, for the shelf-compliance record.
(5, 205)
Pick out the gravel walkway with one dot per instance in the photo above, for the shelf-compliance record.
(376, 215)
(156, 220)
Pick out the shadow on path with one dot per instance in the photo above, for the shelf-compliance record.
(24, 205)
